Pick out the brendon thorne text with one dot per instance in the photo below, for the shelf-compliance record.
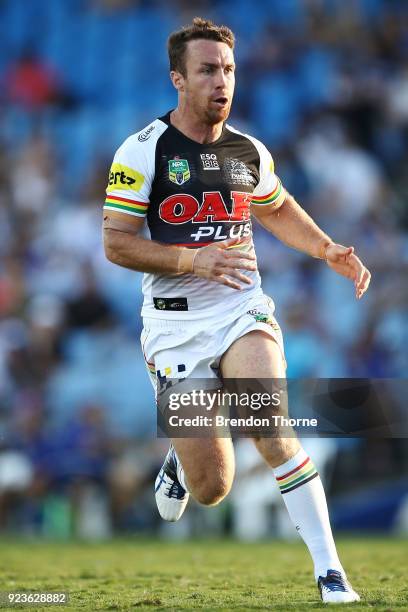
(251, 421)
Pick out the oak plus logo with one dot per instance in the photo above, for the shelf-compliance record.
(212, 210)
(183, 208)
(209, 161)
(237, 173)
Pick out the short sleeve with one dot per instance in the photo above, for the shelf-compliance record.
(269, 191)
(130, 179)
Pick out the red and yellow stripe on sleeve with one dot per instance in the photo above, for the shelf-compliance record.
(273, 199)
(125, 205)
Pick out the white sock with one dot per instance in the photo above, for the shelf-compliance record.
(304, 497)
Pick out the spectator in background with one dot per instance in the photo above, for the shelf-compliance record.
(34, 165)
(25, 463)
(357, 187)
(89, 309)
(82, 451)
(31, 83)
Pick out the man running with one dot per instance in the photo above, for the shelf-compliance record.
(197, 181)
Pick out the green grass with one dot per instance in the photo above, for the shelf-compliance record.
(212, 575)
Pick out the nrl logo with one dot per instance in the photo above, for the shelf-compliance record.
(237, 172)
(179, 171)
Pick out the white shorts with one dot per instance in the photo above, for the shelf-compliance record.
(193, 349)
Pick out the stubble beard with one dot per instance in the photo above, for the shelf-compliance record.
(213, 116)
(207, 115)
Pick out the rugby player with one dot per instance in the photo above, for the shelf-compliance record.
(197, 180)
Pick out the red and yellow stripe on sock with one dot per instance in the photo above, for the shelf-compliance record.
(131, 207)
(297, 477)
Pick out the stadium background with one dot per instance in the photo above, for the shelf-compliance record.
(324, 83)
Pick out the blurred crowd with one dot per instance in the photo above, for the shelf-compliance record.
(324, 84)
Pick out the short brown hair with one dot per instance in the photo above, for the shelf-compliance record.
(199, 29)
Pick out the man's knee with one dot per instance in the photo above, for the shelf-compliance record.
(209, 490)
(208, 467)
(277, 450)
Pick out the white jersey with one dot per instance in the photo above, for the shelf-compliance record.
(193, 195)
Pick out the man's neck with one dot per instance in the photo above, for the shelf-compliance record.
(193, 128)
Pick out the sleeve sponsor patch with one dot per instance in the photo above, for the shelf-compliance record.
(123, 177)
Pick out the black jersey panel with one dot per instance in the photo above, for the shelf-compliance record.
(201, 192)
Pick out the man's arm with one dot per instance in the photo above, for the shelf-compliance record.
(125, 247)
(295, 228)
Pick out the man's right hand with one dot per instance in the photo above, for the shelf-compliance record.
(219, 261)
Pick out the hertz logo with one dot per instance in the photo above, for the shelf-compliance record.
(120, 177)
(123, 177)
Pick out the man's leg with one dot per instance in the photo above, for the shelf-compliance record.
(257, 355)
(208, 467)
(203, 467)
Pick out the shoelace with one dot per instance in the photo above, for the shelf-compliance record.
(176, 490)
(334, 582)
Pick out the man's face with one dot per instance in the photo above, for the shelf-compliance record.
(208, 86)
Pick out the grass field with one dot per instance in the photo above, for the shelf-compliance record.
(212, 575)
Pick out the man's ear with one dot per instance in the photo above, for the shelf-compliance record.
(177, 79)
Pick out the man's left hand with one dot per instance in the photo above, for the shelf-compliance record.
(343, 260)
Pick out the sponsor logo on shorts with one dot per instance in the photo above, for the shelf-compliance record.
(123, 177)
(146, 134)
(170, 303)
(179, 171)
(160, 304)
(209, 161)
(262, 317)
